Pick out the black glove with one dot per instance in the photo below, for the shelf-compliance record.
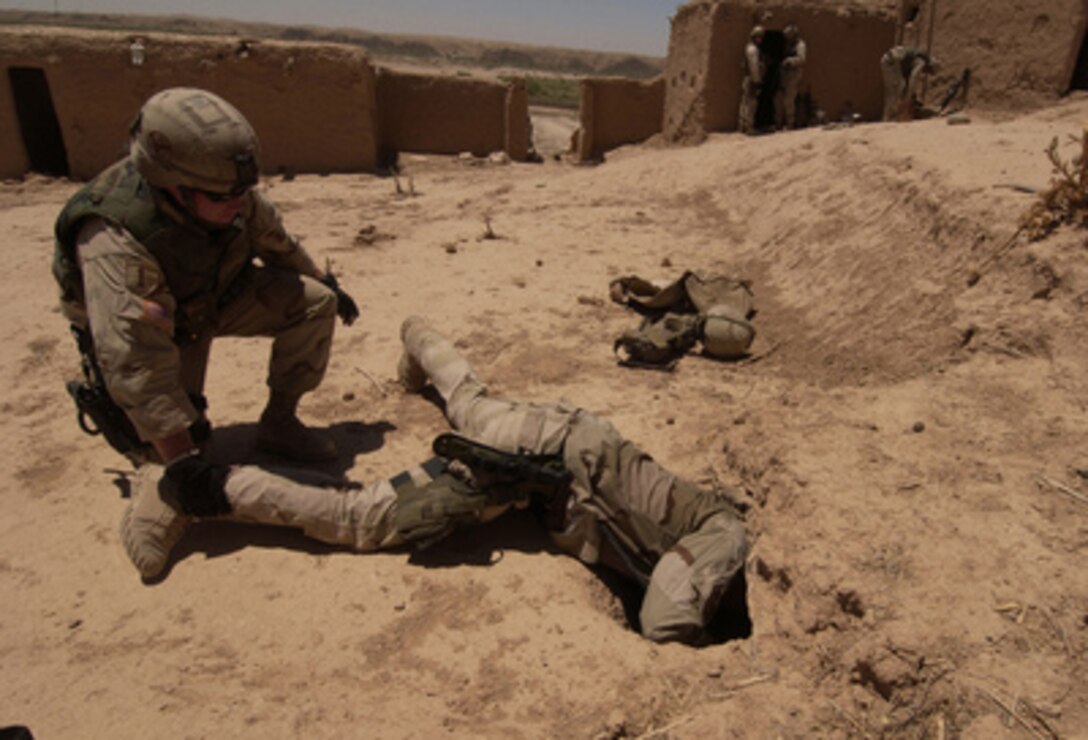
(196, 486)
(345, 304)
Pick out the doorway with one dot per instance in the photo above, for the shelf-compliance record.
(774, 49)
(38, 123)
(1080, 72)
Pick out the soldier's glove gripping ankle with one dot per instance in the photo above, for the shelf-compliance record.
(196, 486)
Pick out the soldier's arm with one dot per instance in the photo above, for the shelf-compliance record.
(914, 82)
(276, 247)
(131, 315)
(755, 70)
(273, 244)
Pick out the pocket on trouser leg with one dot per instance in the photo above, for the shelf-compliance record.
(670, 610)
(719, 549)
(687, 584)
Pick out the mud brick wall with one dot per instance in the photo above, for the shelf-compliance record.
(311, 104)
(1021, 54)
(450, 115)
(705, 65)
(617, 111)
(694, 103)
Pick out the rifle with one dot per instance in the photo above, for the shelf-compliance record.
(97, 413)
(507, 477)
(960, 85)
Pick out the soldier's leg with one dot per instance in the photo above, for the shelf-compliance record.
(194, 365)
(299, 313)
(747, 114)
(705, 547)
(512, 426)
(323, 507)
(424, 501)
(893, 84)
(789, 104)
(194, 368)
(912, 89)
(688, 582)
(360, 518)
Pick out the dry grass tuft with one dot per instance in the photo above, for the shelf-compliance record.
(1066, 200)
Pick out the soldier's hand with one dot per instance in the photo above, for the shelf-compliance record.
(346, 308)
(196, 486)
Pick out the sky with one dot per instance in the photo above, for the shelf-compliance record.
(637, 26)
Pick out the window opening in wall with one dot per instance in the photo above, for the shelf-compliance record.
(1080, 72)
(774, 48)
(38, 123)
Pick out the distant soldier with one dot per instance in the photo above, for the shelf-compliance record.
(789, 79)
(904, 68)
(755, 72)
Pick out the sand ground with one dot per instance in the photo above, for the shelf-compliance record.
(908, 434)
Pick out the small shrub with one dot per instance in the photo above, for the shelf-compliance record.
(1065, 201)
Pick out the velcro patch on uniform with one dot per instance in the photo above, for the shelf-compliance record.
(141, 279)
(157, 315)
(684, 553)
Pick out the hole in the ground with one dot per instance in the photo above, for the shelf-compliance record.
(731, 620)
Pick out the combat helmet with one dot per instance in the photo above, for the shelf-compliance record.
(194, 139)
(726, 334)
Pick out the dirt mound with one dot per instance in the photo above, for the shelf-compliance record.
(908, 438)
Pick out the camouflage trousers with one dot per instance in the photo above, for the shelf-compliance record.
(298, 312)
(749, 104)
(325, 508)
(785, 99)
(151, 377)
(625, 511)
(899, 91)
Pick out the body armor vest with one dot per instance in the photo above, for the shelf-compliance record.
(201, 268)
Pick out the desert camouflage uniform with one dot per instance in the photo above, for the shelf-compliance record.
(153, 306)
(789, 83)
(325, 508)
(755, 71)
(903, 68)
(625, 510)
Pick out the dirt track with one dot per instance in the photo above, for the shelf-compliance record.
(913, 568)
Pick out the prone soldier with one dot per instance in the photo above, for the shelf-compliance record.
(685, 545)
(602, 498)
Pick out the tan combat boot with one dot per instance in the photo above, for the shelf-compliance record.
(150, 527)
(410, 374)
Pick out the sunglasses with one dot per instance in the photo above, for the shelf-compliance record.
(234, 194)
